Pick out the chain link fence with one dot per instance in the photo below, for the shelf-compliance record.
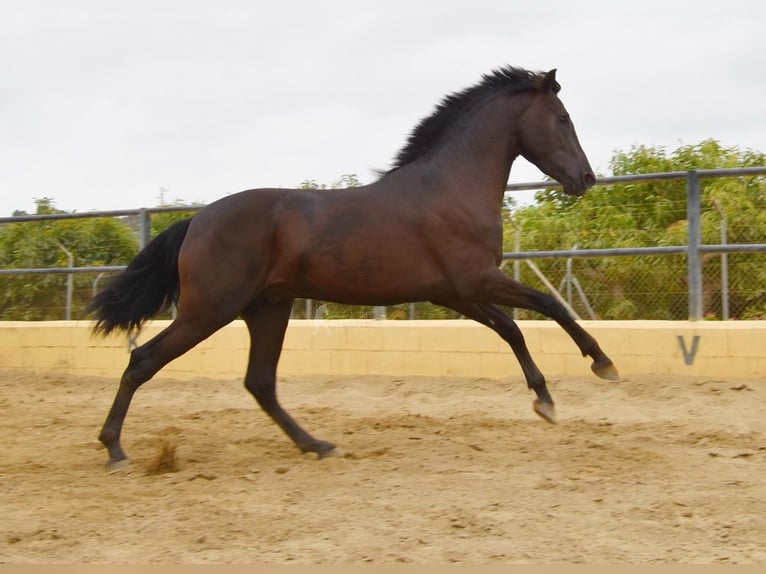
(695, 251)
(649, 276)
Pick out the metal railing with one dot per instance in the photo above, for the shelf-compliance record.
(694, 249)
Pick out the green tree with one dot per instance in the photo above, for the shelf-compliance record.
(161, 221)
(654, 214)
(40, 244)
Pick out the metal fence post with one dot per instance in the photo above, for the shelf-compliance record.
(694, 255)
(724, 262)
(144, 228)
(69, 282)
(517, 267)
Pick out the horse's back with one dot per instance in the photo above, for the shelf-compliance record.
(361, 245)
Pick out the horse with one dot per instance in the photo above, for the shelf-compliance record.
(428, 229)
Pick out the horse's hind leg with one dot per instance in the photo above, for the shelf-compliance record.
(495, 319)
(267, 323)
(180, 336)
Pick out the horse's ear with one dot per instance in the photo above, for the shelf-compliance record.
(550, 83)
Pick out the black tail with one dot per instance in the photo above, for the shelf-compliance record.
(148, 285)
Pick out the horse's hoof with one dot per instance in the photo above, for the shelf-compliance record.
(322, 449)
(333, 453)
(117, 465)
(546, 410)
(608, 372)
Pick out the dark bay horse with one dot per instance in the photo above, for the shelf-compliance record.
(427, 230)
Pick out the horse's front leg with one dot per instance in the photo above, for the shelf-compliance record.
(509, 331)
(496, 287)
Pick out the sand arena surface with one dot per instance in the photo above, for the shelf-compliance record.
(655, 469)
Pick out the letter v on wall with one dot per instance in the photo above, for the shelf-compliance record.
(689, 354)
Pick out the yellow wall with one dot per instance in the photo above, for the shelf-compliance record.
(435, 348)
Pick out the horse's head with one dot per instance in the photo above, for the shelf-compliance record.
(547, 138)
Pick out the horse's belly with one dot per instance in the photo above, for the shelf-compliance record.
(370, 280)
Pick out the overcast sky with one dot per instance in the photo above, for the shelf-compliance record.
(103, 104)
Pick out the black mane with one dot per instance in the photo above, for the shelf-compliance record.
(430, 131)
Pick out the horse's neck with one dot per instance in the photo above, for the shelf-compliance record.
(474, 164)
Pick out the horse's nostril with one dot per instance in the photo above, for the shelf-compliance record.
(589, 179)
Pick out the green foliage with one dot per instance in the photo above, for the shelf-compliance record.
(161, 221)
(654, 214)
(39, 244)
(608, 216)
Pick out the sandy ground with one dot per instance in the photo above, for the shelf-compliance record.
(654, 469)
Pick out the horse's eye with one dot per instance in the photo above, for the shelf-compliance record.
(564, 118)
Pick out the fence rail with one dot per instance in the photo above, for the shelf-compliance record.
(694, 249)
